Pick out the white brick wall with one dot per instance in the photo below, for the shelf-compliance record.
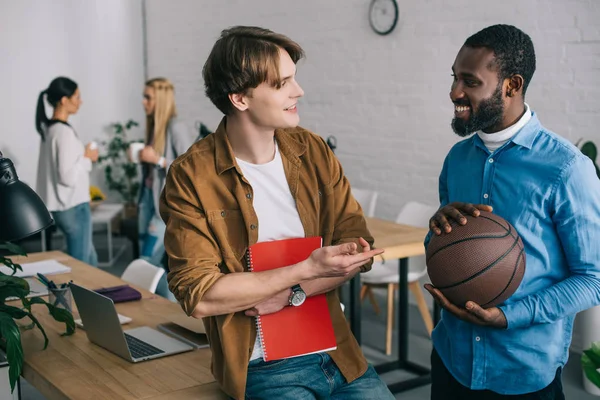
(386, 98)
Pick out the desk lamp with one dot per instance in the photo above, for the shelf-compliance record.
(22, 212)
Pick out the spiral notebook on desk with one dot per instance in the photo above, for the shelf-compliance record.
(293, 331)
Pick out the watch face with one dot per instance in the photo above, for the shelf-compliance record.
(298, 298)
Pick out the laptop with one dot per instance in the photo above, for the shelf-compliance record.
(102, 326)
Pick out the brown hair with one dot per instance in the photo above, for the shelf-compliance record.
(243, 58)
(164, 110)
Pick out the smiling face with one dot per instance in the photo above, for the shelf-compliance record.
(477, 92)
(270, 107)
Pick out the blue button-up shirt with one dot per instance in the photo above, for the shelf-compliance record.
(548, 190)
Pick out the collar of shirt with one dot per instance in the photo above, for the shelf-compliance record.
(493, 141)
(225, 158)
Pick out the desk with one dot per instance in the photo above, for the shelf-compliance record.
(399, 241)
(73, 368)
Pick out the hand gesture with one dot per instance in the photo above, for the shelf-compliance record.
(340, 260)
(473, 313)
(149, 155)
(454, 211)
(91, 152)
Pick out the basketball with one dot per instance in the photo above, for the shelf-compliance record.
(482, 261)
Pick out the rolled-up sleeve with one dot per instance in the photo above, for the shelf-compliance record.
(194, 256)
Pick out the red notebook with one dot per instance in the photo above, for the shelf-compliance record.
(293, 331)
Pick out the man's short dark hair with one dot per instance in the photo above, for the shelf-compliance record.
(513, 49)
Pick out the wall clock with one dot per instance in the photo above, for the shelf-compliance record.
(383, 16)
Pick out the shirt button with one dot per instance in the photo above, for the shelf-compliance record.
(491, 160)
(477, 338)
(485, 196)
(253, 227)
(249, 195)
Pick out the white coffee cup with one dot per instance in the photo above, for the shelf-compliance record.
(134, 151)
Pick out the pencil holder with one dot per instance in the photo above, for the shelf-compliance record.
(60, 297)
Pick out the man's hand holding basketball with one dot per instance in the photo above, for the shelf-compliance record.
(340, 260)
(454, 211)
(472, 312)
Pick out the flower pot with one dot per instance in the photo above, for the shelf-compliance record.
(5, 393)
(95, 203)
(590, 332)
(590, 387)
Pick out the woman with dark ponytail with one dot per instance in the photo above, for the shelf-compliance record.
(63, 180)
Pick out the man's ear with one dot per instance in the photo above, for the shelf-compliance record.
(515, 85)
(239, 101)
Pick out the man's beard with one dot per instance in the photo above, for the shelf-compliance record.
(489, 114)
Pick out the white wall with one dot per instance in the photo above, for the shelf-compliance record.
(386, 98)
(97, 43)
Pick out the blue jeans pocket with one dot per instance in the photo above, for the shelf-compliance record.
(260, 365)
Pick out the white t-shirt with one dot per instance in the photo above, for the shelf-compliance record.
(275, 207)
(63, 179)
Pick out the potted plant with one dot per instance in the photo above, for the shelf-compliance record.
(120, 173)
(590, 361)
(590, 319)
(12, 287)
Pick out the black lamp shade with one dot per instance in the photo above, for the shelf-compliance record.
(22, 212)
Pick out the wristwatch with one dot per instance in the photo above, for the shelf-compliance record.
(297, 297)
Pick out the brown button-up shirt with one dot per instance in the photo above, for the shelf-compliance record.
(207, 206)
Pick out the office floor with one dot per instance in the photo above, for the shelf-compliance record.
(373, 334)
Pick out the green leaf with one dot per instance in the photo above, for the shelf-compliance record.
(13, 312)
(37, 323)
(13, 286)
(14, 350)
(12, 291)
(131, 123)
(593, 357)
(13, 248)
(590, 370)
(59, 314)
(589, 149)
(14, 280)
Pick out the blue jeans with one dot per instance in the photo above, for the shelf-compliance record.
(314, 376)
(151, 231)
(76, 224)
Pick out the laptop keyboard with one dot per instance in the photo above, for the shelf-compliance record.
(140, 349)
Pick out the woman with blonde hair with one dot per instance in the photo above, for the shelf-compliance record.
(166, 139)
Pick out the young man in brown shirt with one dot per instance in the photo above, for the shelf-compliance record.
(258, 178)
